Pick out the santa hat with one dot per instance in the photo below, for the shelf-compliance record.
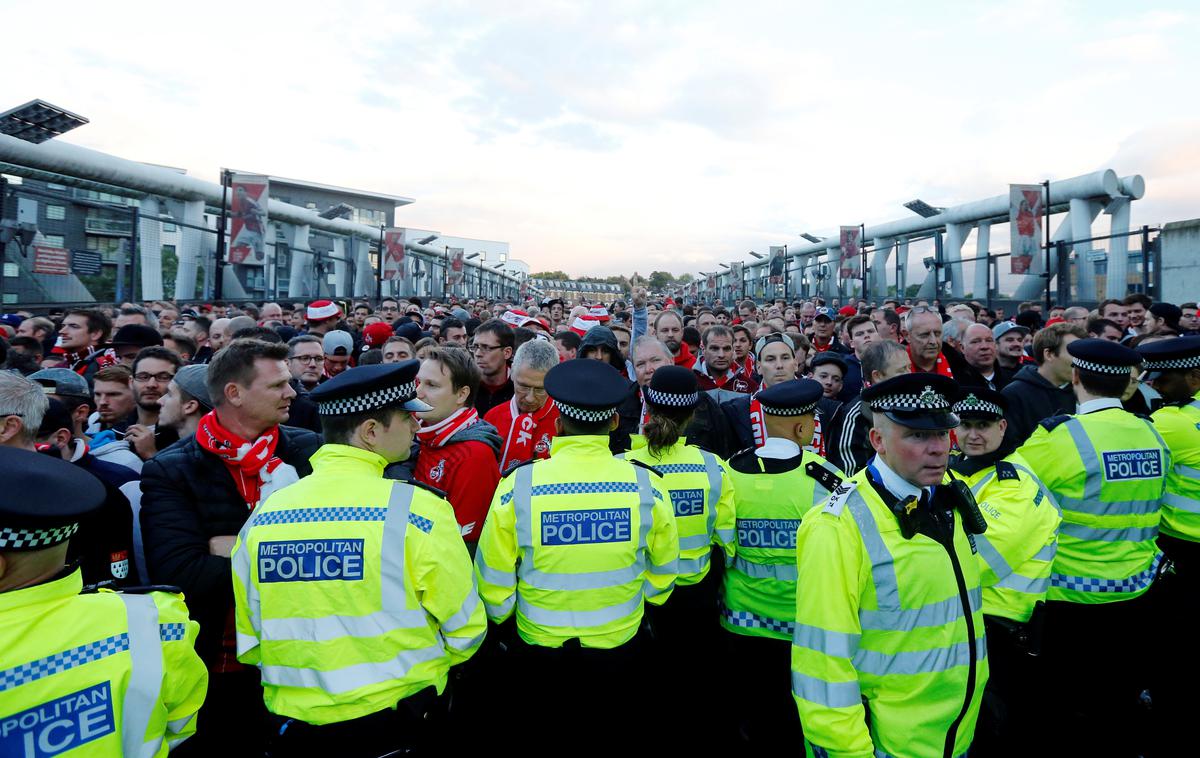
(515, 317)
(322, 310)
(582, 324)
(599, 312)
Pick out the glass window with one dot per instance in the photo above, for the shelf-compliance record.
(168, 227)
(56, 186)
(56, 212)
(55, 240)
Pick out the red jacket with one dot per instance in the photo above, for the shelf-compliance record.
(734, 380)
(528, 441)
(467, 472)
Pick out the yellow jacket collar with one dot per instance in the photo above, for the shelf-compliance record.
(347, 459)
(582, 444)
(59, 589)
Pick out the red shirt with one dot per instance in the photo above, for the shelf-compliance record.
(528, 440)
(467, 473)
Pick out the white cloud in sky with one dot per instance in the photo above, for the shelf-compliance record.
(603, 138)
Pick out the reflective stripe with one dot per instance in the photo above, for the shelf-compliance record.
(691, 566)
(828, 694)
(983, 482)
(579, 619)
(495, 576)
(1181, 502)
(712, 467)
(1111, 508)
(726, 536)
(784, 572)
(245, 642)
(1025, 584)
(1041, 487)
(1097, 534)
(910, 662)
(1091, 461)
(836, 644)
(178, 725)
(145, 678)
(649, 590)
(678, 468)
(995, 560)
(883, 570)
(463, 617)
(1188, 471)
(1135, 583)
(695, 542)
(751, 620)
(335, 681)
(583, 580)
(392, 567)
(907, 619)
(328, 628)
(1047, 552)
(240, 563)
(500, 611)
(461, 643)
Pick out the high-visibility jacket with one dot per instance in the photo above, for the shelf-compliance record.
(701, 494)
(771, 496)
(1107, 469)
(576, 545)
(892, 624)
(1016, 552)
(102, 674)
(1179, 426)
(352, 592)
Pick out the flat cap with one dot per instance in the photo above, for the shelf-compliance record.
(61, 381)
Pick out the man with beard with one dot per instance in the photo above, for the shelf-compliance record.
(1010, 345)
(708, 428)
(153, 370)
(715, 369)
(668, 327)
(82, 335)
(823, 339)
(526, 421)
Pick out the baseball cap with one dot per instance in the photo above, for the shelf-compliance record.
(376, 335)
(824, 313)
(193, 380)
(61, 381)
(1004, 327)
(847, 310)
(337, 340)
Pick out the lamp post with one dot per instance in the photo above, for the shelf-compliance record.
(38, 121)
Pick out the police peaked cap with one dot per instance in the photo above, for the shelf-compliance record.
(1102, 356)
(795, 397)
(1176, 353)
(980, 403)
(367, 388)
(917, 401)
(586, 390)
(673, 387)
(45, 499)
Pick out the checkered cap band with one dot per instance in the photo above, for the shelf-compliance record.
(1192, 361)
(672, 399)
(928, 400)
(1099, 368)
(972, 404)
(794, 411)
(35, 539)
(369, 401)
(585, 414)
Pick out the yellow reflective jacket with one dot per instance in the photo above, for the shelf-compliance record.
(888, 623)
(1107, 470)
(96, 675)
(1017, 551)
(352, 592)
(576, 544)
(1179, 426)
(701, 494)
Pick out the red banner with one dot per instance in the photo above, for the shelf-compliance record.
(851, 243)
(393, 254)
(248, 212)
(455, 275)
(1025, 213)
(51, 260)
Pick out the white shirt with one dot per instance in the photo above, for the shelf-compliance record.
(893, 482)
(778, 448)
(1099, 404)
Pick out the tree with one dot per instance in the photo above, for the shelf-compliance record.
(660, 280)
(555, 275)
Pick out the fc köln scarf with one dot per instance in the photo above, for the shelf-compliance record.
(440, 433)
(522, 443)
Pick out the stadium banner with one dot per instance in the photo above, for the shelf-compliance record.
(393, 254)
(248, 219)
(1025, 212)
(851, 242)
(454, 276)
(778, 263)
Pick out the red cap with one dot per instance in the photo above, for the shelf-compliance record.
(847, 310)
(1055, 320)
(376, 335)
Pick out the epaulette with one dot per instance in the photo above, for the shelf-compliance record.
(824, 476)
(838, 497)
(1049, 423)
(1005, 471)
(429, 487)
(519, 465)
(646, 466)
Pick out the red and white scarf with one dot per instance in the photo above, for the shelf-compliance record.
(255, 468)
(759, 426)
(437, 435)
(520, 444)
(942, 366)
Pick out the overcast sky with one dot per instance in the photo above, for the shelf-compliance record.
(603, 138)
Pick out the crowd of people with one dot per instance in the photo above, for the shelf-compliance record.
(764, 494)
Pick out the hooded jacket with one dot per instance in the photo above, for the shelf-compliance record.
(630, 410)
(1030, 399)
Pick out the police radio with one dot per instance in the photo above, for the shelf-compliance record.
(906, 515)
(963, 501)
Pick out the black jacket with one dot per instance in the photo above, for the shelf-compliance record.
(847, 438)
(1030, 399)
(188, 497)
(303, 413)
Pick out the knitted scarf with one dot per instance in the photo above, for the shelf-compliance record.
(437, 435)
(520, 444)
(251, 464)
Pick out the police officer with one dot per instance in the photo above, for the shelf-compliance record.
(888, 656)
(354, 594)
(1173, 369)
(575, 545)
(1107, 469)
(701, 495)
(774, 486)
(1015, 556)
(101, 674)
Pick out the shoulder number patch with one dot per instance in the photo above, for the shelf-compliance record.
(838, 498)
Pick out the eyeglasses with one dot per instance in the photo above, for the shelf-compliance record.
(308, 358)
(485, 349)
(162, 378)
(521, 389)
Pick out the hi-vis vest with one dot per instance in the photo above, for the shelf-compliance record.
(576, 544)
(1179, 426)
(1016, 552)
(702, 497)
(759, 593)
(1107, 470)
(352, 592)
(102, 674)
(886, 622)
